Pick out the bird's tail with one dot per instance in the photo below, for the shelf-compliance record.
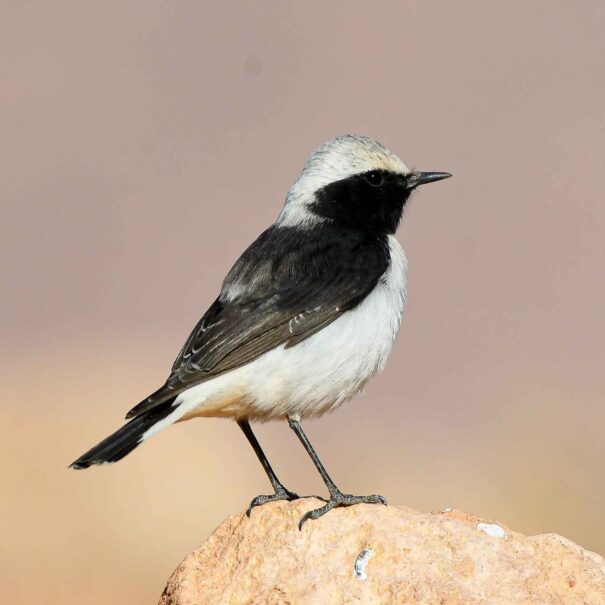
(126, 439)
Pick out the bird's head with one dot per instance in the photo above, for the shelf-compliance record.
(353, 181)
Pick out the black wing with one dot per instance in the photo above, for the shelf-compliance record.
(288, 285)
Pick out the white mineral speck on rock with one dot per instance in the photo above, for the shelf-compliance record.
(491, 529)
(361, 562)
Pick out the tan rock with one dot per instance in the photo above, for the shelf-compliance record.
(375, 555)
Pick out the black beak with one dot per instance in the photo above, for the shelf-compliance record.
(422, 178)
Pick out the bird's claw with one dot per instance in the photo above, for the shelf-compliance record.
(337, 500)
(280, 494)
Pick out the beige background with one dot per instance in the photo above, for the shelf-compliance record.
(144, 144)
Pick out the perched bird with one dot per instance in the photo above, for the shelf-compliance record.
(306, 316)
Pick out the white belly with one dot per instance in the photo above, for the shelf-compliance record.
(316, 375)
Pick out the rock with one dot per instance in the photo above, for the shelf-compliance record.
(371, 554)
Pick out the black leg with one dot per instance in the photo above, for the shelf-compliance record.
(281, 493)
(337, 498)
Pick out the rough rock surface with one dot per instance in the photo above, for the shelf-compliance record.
(372, 554)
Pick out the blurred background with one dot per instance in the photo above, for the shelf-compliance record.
(146, 143)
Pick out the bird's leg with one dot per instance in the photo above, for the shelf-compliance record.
(281, 493)
(337, 498)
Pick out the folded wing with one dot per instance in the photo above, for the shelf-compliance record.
(288, 285)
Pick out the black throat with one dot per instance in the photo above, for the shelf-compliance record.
(372, 201)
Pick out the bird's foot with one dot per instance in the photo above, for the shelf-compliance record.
(338, 499)
(281, 493)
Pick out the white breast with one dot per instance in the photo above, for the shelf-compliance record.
(333, 365)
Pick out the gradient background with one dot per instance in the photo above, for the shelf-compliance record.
(145, 144)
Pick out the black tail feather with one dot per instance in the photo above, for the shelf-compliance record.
(124, 440)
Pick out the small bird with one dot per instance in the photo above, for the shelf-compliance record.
(306, 316)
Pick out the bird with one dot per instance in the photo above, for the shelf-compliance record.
(305, 317)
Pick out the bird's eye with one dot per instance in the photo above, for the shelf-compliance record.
(374, 178)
